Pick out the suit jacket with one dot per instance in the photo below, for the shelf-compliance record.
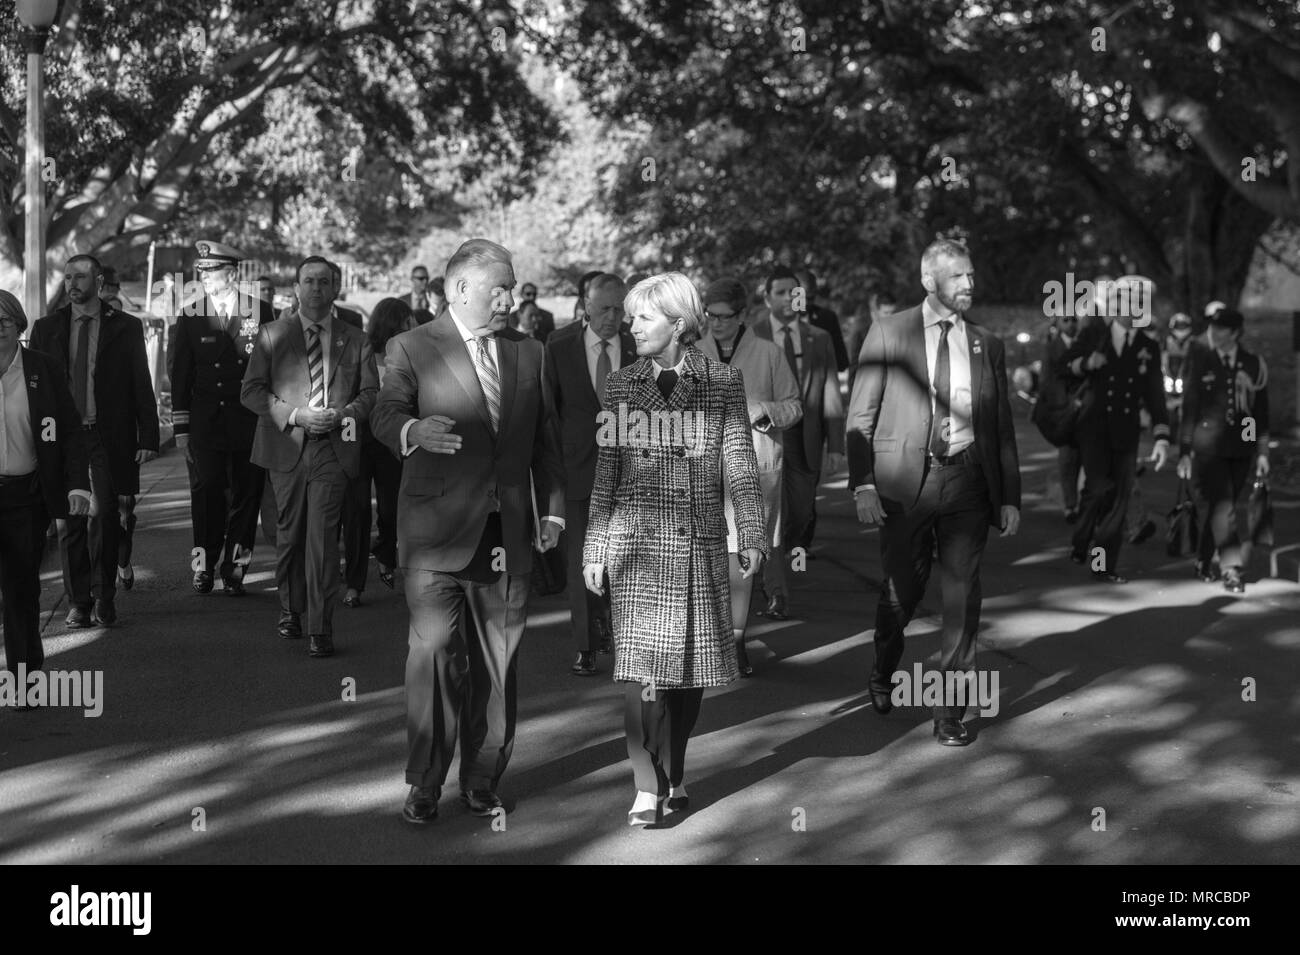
(771, 391)
(352, 318)
(1215, 400)
(819, 389)
(1121, 387)
(890, 415)
(61, 463)
(126, 414)
(208, 372)
(825, 318)
(544, 324)
(569, 387)
(445, 499)
(278, 381)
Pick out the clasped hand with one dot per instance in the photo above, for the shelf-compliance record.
(318, 420)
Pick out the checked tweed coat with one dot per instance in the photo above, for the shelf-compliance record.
(656, 523)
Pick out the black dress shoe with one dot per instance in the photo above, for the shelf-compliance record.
(1232, 581)
(775, 609)
(290, 627)
(881, 701)
(386, 576)
(1106, 577)
(583, 665)
(481, 802)
(742, 660)
(233, 586)
(352, 600)
(105, 612)
(1206, 571)
(321, 645)
(1146, 531)
(421, 805)
(78, 619)
(203, 582)
(677, 804)
(126, 577)
(951, 732)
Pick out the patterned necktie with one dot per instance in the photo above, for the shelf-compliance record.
(81, 365)
(667, 382)
(602, 371)
(789, 351)
(941, 424)
(490, 380)
(316, 366)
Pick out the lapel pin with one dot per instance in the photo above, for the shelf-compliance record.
(975, 347)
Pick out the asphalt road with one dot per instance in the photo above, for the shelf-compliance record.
(219, 742)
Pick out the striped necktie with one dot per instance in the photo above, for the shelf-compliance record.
(316, 366)
(489, 379)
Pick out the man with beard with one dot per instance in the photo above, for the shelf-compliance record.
(933, 461)
(101, 351)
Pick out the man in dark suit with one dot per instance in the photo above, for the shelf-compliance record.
(812, 358)
(1055, 394)
(312, 381)
(576, 369)
(543, 321)
(932, 459)
(1223, 438)
(214, 336)
(819, 314)
(1121, 366)
(464, 403)
(418, 297)
(43, 474)
(102, 355)
(579, 310)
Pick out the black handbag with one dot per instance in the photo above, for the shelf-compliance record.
(1058, 423)
(1259, 515)
(1182, 534)
(549, 571)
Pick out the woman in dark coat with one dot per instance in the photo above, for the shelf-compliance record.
(676, 420)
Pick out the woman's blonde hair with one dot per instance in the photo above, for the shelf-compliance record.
(673, 296)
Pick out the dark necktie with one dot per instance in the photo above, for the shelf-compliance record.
(81, 366)
(941, 424)
(602, 371)
(667, 382)
(316, 366)
(490, 380)
(789, 351)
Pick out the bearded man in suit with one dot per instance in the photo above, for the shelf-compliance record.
(933, 461)
(464, 403)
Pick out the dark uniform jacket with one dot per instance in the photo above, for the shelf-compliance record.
(61, 464)
(1120, 388)
(208, 372)
(1216, 402)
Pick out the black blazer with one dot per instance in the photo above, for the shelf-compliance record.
(61, 464)
(889, 413)
(1215, 403)
(568, 384)
(1121, 387)
(126, 413)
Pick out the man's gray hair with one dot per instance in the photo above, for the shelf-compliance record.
(475, 254)
(942, 249)
(603, 280)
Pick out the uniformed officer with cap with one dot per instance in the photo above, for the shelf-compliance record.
(1223, 438)
(1122, 365)
(214, 335)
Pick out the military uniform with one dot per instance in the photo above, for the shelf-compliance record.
(1225, 428)
(1109, 429)
(212, 349)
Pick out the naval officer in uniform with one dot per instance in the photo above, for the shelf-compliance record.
(214, 336)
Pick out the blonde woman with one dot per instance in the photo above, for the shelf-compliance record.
(657, 527)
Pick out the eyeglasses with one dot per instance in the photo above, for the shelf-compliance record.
(718, 317)
(419, 278)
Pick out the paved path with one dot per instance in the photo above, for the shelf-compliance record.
(1123, 699)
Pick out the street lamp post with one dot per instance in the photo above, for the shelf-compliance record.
(38, 17)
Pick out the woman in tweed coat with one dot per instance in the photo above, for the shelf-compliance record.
(657, 527)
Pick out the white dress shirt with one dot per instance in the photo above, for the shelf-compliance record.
(592, 341)
(1120, 337)
(17, 447)
(962, 433)
(326, 330)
